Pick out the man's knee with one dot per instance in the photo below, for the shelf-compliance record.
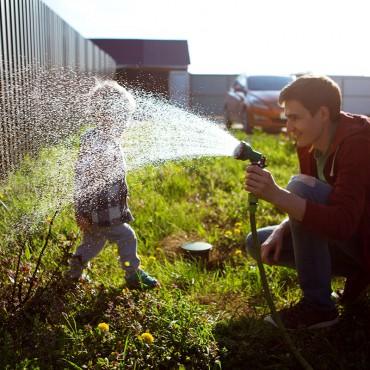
(301, 185)
(308, 187)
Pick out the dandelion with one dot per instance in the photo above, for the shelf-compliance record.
(147, 338)
(151, 259)
(238, 253)
(103, 326)
(228, 233)
(238, 225)
(127, 263)
(237, 231)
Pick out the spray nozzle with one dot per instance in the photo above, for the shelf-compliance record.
(245, 152)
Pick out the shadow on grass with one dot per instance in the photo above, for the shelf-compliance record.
(248, 343)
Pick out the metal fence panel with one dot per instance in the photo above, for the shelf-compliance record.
(208, 93)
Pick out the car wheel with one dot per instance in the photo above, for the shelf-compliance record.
(227, 120)
(247, 122)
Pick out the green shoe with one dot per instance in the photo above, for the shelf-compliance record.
(141, 280)
(75, 268)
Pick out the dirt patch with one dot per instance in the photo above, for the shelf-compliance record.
(171, 244)
(171, 249)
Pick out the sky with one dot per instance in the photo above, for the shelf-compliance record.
(238, 36)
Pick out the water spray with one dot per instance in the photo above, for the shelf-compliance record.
(245, 152)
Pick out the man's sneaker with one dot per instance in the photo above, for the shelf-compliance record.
(354, 288)
(305, 316)
(141, 280)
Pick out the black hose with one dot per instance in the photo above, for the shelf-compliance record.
(253, 202)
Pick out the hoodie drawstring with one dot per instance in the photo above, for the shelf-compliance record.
(332, 163)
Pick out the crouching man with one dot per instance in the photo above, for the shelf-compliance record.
(328, 230)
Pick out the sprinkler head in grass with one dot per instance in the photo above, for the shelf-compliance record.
(197, 250)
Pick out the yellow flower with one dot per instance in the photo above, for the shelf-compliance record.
(238, 225)
(238, 253)
(147, 338)
(103, 326)
(237, 231)
(127, 263)
(228, 233)
(2, 196)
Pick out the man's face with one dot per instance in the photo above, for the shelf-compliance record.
(306, 130)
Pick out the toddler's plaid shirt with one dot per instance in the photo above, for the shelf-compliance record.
(100, 183)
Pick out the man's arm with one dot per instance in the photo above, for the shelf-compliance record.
(261, 183)
(292, 204)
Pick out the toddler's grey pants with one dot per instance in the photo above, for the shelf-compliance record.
(123, 235)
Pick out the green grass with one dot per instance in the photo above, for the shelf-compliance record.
(205, 316)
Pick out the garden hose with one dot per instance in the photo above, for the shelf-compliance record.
(245, 152)
(253, 203)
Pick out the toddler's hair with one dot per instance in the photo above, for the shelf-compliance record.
(108, 98)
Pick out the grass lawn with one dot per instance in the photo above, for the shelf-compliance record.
(205, 316)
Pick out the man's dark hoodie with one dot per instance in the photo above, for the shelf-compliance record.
(347, 170)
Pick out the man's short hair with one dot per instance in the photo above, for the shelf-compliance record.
(314, 92)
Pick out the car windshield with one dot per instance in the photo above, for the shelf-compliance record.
(268, 82)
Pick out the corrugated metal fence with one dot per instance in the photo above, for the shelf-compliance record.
(208, 93)
(33, 35)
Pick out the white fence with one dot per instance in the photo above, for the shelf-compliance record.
(356, 93)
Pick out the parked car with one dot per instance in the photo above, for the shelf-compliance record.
(253, 101)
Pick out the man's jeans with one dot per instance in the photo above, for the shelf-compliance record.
(122, 235)
(316, 258)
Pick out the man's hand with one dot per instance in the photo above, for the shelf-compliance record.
(261, 183)
(272, 246)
